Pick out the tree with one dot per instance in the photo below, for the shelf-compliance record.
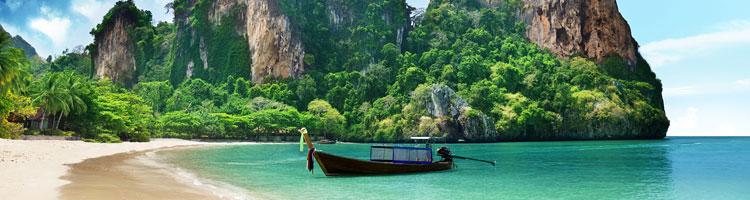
(471, 69)
(123, 114)
(13, 77)
(407, 81)
(191, 95)
(59, 93)
(154, 93)
(179, 124)
(21, 107)
(483, 95)
(306, 90)
(76, 60)
(13, 64)
(328, 119)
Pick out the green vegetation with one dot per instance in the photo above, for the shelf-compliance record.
(364, 82)
(13, 79)
(59, 94)
(226, 49)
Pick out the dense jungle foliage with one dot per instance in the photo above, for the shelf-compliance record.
(366, 80)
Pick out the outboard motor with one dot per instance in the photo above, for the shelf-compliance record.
(445, 153)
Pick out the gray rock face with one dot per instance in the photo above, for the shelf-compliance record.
(114, 57)
(444, 102)
(340, 15)
(453, 116)
(20, 43)
(276, 50)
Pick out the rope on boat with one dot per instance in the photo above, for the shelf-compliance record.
(310, 164)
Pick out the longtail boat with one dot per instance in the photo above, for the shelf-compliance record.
(383, 160)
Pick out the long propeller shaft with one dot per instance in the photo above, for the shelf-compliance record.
(474, 159)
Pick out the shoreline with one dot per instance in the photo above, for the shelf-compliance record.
(141, 175)
(39, 169)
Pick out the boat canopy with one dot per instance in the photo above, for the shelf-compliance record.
(427, 138)
(396, 154)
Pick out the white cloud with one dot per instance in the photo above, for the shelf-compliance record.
(689, 120)
(13, 30)
(727, 129)
(745, 83)
(93, 10)
(157, 9)
(685, 123)
(51, 25)
(680, 91)
(660, 53)
(39, 41)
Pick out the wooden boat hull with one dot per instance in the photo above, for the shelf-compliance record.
(333, 165)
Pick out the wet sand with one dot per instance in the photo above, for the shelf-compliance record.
(32, 169)
(128, 176)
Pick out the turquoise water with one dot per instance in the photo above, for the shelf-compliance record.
(673, 168)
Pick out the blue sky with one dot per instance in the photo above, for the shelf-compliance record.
(698, 49)
(54, 25)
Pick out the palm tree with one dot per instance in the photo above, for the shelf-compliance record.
(59, 93)
(76, 89)
(12, 64)
(46, 93)
(13, 73)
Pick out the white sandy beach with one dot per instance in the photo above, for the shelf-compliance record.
(32, 169)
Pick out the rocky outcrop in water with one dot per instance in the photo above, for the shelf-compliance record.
(451, 115)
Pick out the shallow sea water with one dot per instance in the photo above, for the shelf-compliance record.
(673, 168)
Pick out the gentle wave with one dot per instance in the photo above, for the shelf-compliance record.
(220, 189)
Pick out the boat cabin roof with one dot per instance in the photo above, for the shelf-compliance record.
(427, 139)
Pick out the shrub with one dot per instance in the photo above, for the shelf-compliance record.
(107, 138)
(140, 137)
(9, 130)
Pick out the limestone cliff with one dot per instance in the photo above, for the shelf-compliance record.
(594, 28)
(273, 48)
(118, 52)
(282, 37)
(276, 48)
(114, 55)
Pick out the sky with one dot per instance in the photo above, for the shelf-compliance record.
(51, 26)
(698, 49)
